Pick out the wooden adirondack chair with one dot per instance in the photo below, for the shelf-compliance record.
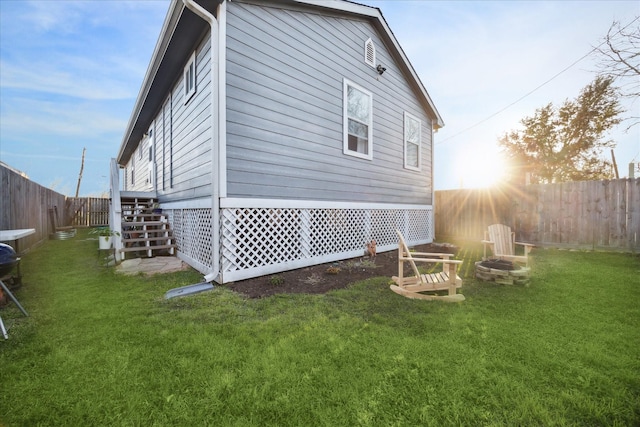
(412, 286)
(502, 242)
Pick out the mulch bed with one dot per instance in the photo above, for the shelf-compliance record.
(317, 279)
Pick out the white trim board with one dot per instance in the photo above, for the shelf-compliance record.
(230, 203)
(204, 203)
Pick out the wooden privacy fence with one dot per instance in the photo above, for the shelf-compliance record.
(88, 211)
(26, 204)
(594, 214)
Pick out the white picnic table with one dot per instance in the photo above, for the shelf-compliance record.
(13, 236)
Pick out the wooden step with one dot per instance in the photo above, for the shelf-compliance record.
(148, 230)
(143, 223)
(147, 248)
(133, 207)
(137, 207)
(147, 239)
(152, 230)
(137, 212)
(131, 200)
(143, 215)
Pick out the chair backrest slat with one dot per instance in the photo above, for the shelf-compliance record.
(500, 235)
(404, 253)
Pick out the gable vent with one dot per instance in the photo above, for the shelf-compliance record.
(370, 53)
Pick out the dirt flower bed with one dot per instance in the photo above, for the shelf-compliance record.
(322, 278)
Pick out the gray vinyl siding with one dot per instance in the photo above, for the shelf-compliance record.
(164, 147)
(285, 71)
(162, 141)
(139, 167)
(183, 136)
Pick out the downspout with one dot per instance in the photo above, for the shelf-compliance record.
(215, 129)
(434, 129)
(115, 209)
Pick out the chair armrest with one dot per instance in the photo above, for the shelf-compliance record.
(432, 260)
(525, 244)
(444, 255)
(487, 243)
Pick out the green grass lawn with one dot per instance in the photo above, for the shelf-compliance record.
(104, 349)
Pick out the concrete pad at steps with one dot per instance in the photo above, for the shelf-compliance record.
(149, 266)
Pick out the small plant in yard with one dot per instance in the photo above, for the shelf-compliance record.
(276, 280)
(104, 232)
(314, 279)
(365, 264)
(333, 270)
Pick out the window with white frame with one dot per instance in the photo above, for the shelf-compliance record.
(150, 145)
(370, 53)
(133, 172)
(358, 121)
(190, 78)
(412, 141)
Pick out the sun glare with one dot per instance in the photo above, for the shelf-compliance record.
(478, 168)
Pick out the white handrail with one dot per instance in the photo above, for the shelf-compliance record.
(115, 208)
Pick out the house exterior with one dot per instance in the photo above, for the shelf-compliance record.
(281, 134)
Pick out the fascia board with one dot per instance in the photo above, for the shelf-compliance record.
(168, 28)
(343, 6)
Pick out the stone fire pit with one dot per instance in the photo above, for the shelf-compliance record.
(502, 272)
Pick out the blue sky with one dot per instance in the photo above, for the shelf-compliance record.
(70, 72)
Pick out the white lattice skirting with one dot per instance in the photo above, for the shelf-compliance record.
(193, 231)
(260, 241)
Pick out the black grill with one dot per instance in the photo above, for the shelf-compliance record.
(8, 259)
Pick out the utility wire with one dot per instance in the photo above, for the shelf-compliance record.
(534, 90)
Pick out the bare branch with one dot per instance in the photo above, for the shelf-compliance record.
(619, 57)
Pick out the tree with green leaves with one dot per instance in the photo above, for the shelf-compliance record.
(565, 143)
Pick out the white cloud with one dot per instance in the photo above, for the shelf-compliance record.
(46, 16)
(81, 49)
(65, 78)
(70, 73)
(71, 16)
(25, 117)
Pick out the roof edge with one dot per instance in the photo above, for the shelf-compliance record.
(168, 27)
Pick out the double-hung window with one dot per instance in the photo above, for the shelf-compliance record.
(412, 141)
(133, 171)
(190, 78)
(358, 121)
